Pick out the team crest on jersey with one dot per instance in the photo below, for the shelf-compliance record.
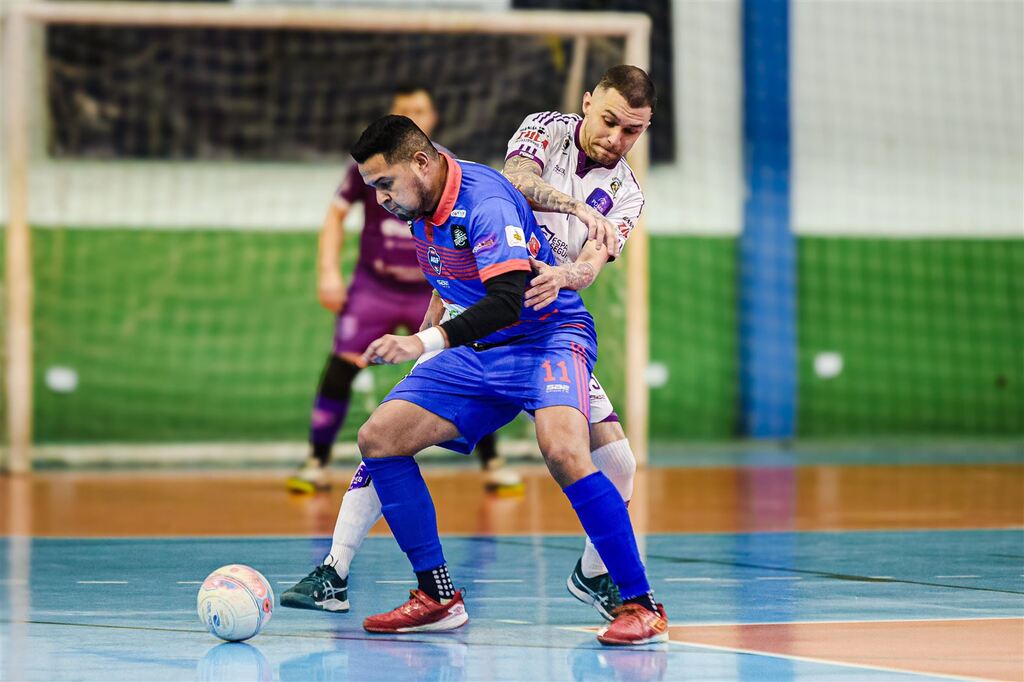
(460, 238)
(565, 143)
(616, 184)
(514, 236)
(533, 245)
(434, 258)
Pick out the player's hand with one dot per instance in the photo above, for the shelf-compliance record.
(599, 228)
(391, 350)
(545, 285)
(331, 290)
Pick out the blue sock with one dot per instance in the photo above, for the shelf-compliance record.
(407, 506)
(603, 515)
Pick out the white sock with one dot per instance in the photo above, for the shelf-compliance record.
(617, 462)
(360, 509)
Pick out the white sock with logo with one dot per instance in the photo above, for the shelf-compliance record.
(617, 462)
(360, 509)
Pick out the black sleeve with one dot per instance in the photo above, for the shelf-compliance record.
(500, 307)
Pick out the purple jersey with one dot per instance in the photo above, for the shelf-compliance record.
(387, 251)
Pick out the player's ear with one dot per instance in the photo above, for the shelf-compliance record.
(587, 101)
(420, 162)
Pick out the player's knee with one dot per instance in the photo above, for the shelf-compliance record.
(568, 463)
(605, 433)
(371, 440)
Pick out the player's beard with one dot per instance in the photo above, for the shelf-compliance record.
(423, 193)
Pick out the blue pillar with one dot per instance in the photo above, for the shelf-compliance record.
(767, 252)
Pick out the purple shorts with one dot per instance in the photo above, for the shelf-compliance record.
(372, 311)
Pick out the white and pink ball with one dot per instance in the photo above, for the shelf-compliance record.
(235, 602)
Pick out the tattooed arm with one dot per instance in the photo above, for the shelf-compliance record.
(549, 280)
(525, 174)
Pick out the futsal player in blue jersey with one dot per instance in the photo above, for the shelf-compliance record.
(475, 234)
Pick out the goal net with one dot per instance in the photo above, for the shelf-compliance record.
(179, 162)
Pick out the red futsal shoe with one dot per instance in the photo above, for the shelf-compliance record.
(420, 614)
(634, 625)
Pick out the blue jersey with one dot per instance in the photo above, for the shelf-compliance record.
(484, 227)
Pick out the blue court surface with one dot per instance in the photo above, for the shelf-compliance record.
(124, 609)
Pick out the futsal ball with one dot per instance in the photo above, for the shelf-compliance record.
(235, 602)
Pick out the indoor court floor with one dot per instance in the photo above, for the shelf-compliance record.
(771, 567)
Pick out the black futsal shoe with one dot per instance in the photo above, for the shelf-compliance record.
(601, 592)
(321, 590)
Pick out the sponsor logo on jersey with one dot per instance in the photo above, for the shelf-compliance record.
(532, 132)
(484, 245)
(559, 170)
(558, 247)
(533, 245)
(460, 238)
(514, 236)
(459, 213)
(565, 143)
(616, 184)
(443, 283)
(600, 201)
(557, 388)
(434, 258)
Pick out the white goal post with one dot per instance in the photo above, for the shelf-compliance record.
(20, 18)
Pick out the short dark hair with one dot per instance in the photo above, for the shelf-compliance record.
(632, 83)
(396, 137)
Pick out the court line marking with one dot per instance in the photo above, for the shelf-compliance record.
(395, 582)
(513, 622)
(499, 581)
(102, 582)
(811, 659)
(190, 582)
(964, 577)
(827, 661)
(336, 636)
(778, 577)
(828, 575)
(688, 580)
(353, 637)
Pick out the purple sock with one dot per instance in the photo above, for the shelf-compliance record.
(327, 419)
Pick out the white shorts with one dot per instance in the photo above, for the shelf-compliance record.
(600, 407)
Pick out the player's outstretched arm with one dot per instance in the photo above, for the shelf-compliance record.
(548, 280)
(330, 284)
(525, 174)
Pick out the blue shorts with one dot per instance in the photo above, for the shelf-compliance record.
(481, 391)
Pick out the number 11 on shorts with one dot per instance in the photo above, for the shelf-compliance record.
(548, 376)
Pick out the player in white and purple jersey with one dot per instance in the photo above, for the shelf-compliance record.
(573, 171)
(387, 291)
(496, 356)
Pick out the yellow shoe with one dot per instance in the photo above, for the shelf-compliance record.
(310, 479)
(501, 480)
